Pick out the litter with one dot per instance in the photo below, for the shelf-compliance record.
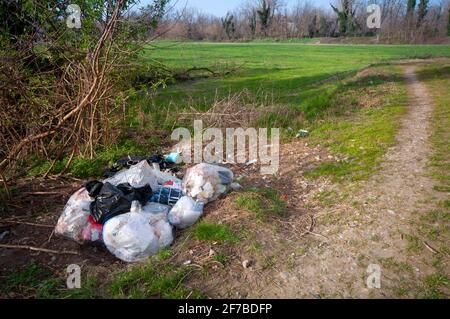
(130, 237)
(157, 217)
(137, 176)
(135, 211)
(133, 237)
(129, 161)
(174, 158)
(155, 212)
(303, 134)
(92, 232)
(186, 213)
(74, 218)
(206, 182)
(167, 195)
(111, 201)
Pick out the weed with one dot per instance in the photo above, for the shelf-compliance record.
(206, 231)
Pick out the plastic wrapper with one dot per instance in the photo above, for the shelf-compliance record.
(186, 213)
(206, 182)
(74, 218)
(93, 232)
(167, 195)
(137, 176)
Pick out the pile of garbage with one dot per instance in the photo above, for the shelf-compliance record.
(135, 211)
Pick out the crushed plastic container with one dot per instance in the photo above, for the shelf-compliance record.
(186, 212)
(206, 182)
(74, 218)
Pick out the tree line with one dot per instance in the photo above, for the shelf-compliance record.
(401, 21)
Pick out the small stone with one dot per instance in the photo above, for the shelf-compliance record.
(353, 224)
(284, 276)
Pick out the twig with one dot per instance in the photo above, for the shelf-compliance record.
(316, 234)
(49, 251)
(42, 193)
(433, 250)
(8, 193)
(26, 223)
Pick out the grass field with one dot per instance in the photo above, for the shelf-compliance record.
(297, 84)
(279, 73)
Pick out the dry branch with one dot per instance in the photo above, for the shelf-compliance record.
(43, 250)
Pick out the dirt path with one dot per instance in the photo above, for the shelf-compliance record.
(370, 228)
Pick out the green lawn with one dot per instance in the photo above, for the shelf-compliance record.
(285, 80)
(283, 73)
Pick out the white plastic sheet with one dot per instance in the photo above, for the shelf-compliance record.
(141, 175)
(137, 176)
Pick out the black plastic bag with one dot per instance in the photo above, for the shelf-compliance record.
(111, 201)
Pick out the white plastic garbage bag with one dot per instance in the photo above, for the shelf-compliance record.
(164, 232)
(157, 216)
(74, 218)
(186, 212)
(130, 237)
(141, 175)
(155, 212)
(206, 182)
(137, 176)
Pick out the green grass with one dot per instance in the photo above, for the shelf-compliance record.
(209, 232)
(41, 283)
(360, 126)
(263, 202)
(152, 280)
(285, 71)
(282, 77)
(437, 76)
(221, 257)
(157, 278)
